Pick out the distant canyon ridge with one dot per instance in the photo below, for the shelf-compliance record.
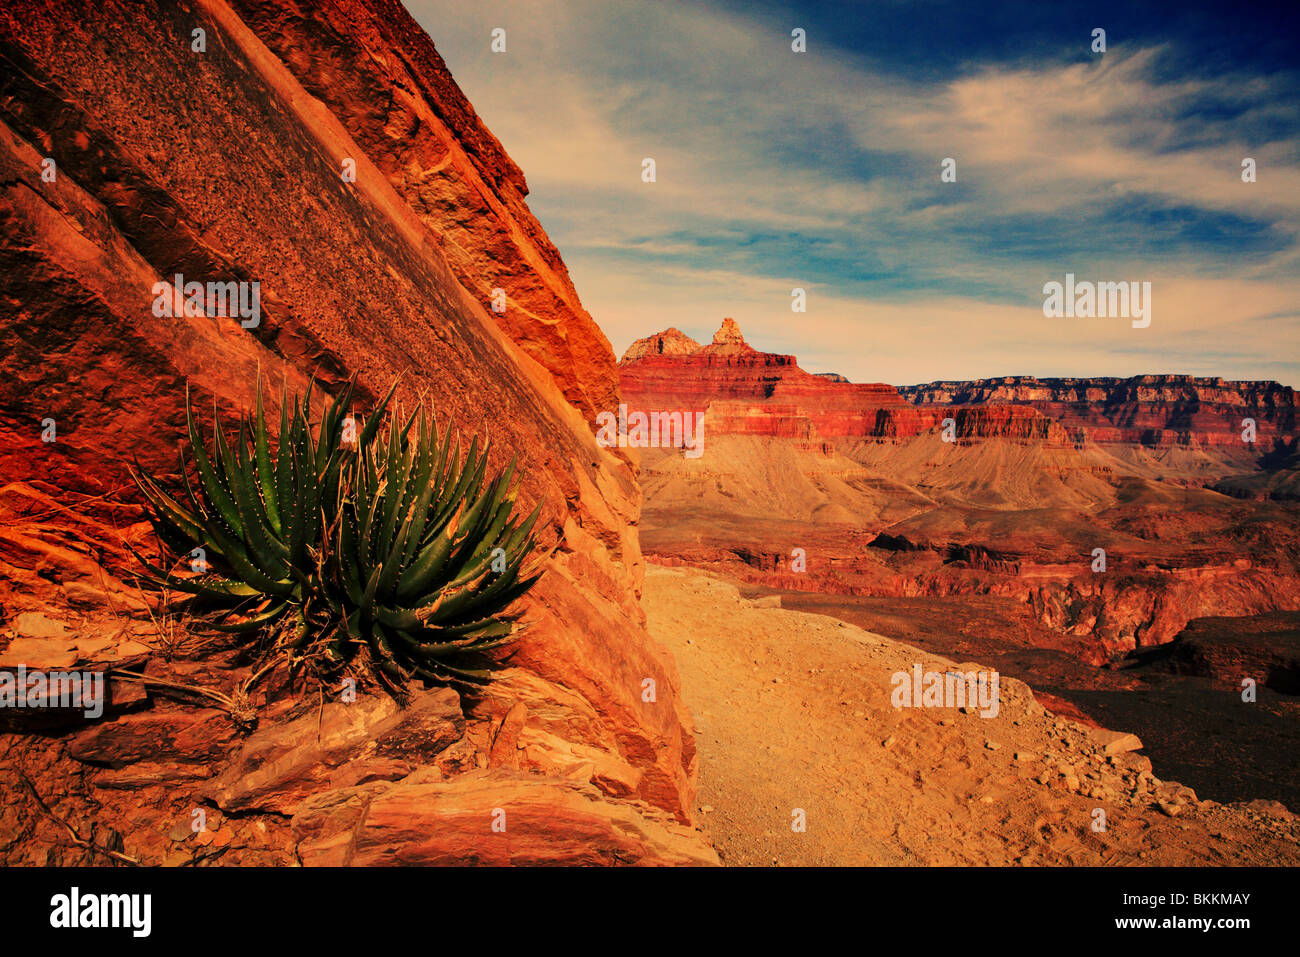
(1153, 411)
(813, 483)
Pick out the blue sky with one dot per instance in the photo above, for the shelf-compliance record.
(821, 170)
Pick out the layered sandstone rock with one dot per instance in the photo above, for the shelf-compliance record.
(670, 342)
(493, 818)
(423, 136)
(1000, 488)
(1263, 648)
(727, 340)
(663, 372)
(728, 417)
(226, 165)
(1149, 409)
(730, 370)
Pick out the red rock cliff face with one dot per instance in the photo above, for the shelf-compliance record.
(382, 79)
(729, 370)
(666, 372)
(748, 392)
(670, 342)
(1150, 409)
(224, 165)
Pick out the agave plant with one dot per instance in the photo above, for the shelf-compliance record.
(427, 554)
(394, 546)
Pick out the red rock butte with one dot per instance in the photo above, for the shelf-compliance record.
(749, 392)
(752, 392)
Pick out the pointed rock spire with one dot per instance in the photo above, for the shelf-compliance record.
(728, 334)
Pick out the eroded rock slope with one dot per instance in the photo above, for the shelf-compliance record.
(229, 163)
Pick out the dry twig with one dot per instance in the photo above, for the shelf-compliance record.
(72, 831)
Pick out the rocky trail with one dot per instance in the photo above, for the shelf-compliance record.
(793, 714)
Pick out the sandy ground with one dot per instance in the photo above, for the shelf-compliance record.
(795, 725)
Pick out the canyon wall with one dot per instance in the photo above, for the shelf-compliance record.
(133, 149)
(1147, 410)
(380, 76)
(671, 371)
(1009, 500)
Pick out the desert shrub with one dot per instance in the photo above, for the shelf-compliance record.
(392, 546)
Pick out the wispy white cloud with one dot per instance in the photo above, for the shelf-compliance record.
(821, 170)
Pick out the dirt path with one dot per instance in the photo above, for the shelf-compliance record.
(793, 715)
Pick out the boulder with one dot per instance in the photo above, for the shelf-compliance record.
(281, 764)
(494, 818)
